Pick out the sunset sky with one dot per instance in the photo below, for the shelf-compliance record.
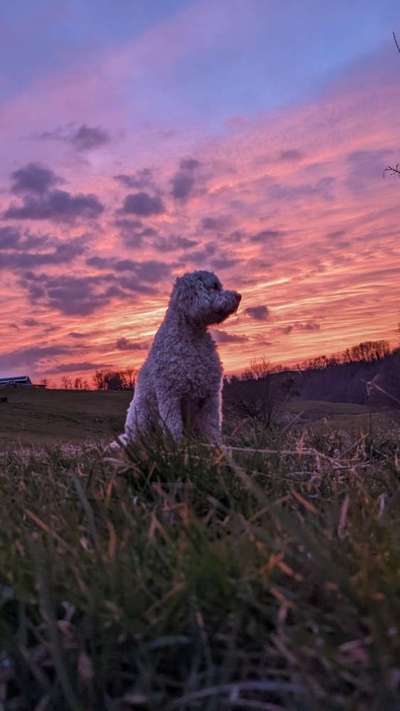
(143, 139)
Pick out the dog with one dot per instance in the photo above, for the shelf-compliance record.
(179, 386)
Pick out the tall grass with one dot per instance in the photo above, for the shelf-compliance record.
(202, 579)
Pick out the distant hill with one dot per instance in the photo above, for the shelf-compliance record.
(348, 382)
(374, 383)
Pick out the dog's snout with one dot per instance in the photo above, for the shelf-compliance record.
(238, 297)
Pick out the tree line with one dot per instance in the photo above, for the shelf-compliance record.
(367, 372)
(259, 369)
(103, 380)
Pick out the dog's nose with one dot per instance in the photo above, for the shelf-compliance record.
(238, 297)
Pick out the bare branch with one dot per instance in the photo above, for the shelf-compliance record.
(393, 169)
(396, 42)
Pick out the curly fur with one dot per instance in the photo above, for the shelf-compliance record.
(179, 385)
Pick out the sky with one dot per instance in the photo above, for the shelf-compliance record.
(144, 140)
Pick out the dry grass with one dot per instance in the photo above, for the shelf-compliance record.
(202, 579)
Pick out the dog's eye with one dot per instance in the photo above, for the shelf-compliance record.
(215, 287)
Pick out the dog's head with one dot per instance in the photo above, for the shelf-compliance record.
(202, 299)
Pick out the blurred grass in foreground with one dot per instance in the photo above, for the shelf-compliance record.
(201, 579)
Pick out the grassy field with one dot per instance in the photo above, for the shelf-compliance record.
(265, 576)
(55, 416)
(50, 416)
(347, 416)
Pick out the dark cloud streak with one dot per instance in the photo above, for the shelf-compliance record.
(123, 344)
(184, 179)
(56, 206)
(258, 313)
(84, 138)
(223, 337)
(142, 204)
(34, 179)
(142, 179)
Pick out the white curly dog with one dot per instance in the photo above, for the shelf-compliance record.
(180, 384)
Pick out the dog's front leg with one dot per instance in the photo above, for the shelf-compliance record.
(208, 420)
(170, 411)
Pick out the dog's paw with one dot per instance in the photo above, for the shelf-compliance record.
(121, 442)
(113, 447)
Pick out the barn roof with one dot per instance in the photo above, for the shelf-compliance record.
(15, 379)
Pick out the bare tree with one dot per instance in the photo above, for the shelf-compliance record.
(262, 393)
(130, 377)
(370, 351)
(66, 382)
(98, 380)
(260, 368)
(114, 379)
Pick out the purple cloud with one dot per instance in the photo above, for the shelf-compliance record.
(150, 270)
(84, 138)
(171, 244)
(34, 178)
(56, 206)
(142, 179)
(88, 137)
(143, 204)
(291, 155)
(184, 179)
(225, 262)
(266, 235)
(62, 253)
(323, 188)
(223, 337)
(73, 296)
(199, 256)
(258, 313)
(30, 357)
(77, 334)
(14, 239)
(215, 223)
(299, 326)
(189, 164)
(76, 367)
(31, 322)
(133, 232)
(123, 344)
(153, 271)
(307, 326)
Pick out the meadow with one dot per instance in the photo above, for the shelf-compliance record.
(42, 417)
(262, 576)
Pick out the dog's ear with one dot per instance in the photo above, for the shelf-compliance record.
(183, 297)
